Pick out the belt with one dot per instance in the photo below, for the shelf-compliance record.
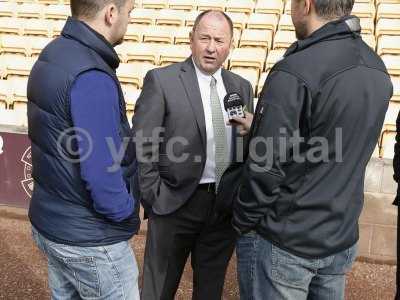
(209, 187)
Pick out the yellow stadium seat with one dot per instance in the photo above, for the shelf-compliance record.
(65, 2)
(134, 32)
(236, 37)
(18, 65)
(273, 57)
(269, 7)
(170, 17)
(288, 7)
(182, 35)
(15, 44)
(263, 21)
(285, 23)
(248, 57)
(388, 44)
(8, 9)
(38, 27)
(385, 1)
(367, 26)
(30, 10)
(57, 12)
(133, 73)
(5, 94)
(388, 27)
(392, 112)
(241, 6)
(256, 38)
(142, 52)
(283, 39)
(392, 63)
(131, 94)
(11, 25)
(19, 86)
(191, 17)
(388, 11)
(370, 40)
(57, 27)
(239, 19)
(207, 4)
(13, 118)
(52, 2)
(387, 141)
(396, 88)
(261, 82)
(182, 4)
(158, 34)
(143, 16)
(364, 10)
(37, 44)
(248, 73)
(155, 4)
(173, 53)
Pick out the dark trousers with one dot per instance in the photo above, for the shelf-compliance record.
(193, 229)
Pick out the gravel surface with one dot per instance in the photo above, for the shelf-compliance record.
(23, 273)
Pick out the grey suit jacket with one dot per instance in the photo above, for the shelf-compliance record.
(170, 133)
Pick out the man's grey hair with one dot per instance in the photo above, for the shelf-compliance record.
(331, 9)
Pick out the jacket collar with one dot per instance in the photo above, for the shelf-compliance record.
(337, 29)
(79, 31)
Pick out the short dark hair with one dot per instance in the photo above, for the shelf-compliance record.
(88, 9)
(330, 9)
(206, 12)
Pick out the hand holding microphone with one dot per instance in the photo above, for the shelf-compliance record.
(233, 103)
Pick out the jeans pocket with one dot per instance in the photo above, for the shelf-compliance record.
(289, 269)
(86, 275)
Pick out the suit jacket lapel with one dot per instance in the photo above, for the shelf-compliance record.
(191, 84)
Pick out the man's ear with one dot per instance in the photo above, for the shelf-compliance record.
(110, 14)
(307, 6)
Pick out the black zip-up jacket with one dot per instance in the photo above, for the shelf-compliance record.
(331, 91)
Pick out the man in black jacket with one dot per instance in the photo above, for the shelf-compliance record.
(314, 130)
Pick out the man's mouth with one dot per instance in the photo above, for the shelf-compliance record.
(209, 58)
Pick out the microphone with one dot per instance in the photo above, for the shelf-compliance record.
(234, 105)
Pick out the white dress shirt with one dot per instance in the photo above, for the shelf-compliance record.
(204, 81)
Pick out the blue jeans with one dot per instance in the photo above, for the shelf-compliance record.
(266, 272)
(106, 272)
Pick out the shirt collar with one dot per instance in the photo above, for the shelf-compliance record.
(217, 75)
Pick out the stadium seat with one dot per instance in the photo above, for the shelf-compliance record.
(214, 5)
(143, 16)
(241, 6)
(239, 19)
(30, 10)
(388, 27)
(392, 63)
(14, 44)
(18, 65)
(5, 94)
(273, 57)
(57, 12)
(388, 11)
(248, 57)
(155, 4)
(11, 25)
(392, 112)
(182, 4)
(8, 9)
(263, 21)
(158, 34)
(370, 40)
(38, 27)
(173, 53)
(288, 7)
(385, 1)
(248, 73)
(191, 17)
(261, 82)
(256, 38)
(387, 141)
(182, 35)
(13, 118)
(170, 17)
(134, 32)
(364, 10)
(388, 44)
(367, 26)
(283, 39)
(57, 27)
(19, 87)
(37, 44)
(285, 23)
(396, 88)
(141, 52)
(53, 2)
(269, 7)
(133, 73)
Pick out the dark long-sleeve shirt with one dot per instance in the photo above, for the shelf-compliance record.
(95, 109)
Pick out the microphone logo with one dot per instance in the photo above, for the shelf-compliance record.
(234, 105)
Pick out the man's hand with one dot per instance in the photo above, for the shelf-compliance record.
(243, 124)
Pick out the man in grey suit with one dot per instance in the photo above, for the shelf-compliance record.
(184, 146)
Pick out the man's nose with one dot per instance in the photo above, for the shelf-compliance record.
(211, 46)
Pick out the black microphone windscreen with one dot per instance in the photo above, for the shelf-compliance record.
(232, 100)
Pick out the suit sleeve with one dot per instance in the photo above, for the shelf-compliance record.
(277, 117)
(147, 124)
